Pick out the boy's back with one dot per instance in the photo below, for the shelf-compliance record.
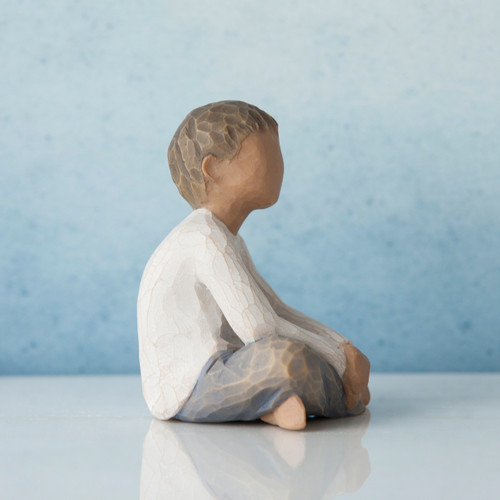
(180, 323)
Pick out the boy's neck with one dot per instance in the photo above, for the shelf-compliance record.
(231, 216)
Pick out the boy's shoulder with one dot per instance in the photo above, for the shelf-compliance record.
(198, 230)
(198, 238)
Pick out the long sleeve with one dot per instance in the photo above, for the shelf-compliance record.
(245, 305)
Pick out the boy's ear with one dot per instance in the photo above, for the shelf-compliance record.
(208, 167)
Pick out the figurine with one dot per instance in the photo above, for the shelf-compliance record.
(216, 342)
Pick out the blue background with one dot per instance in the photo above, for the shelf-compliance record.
(388, 226)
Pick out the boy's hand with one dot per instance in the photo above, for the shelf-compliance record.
(356, 377)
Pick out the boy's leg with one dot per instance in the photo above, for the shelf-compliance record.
(256, 379)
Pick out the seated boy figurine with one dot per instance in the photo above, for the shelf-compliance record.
(216, 342)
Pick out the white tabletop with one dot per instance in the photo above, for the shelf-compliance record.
(426, 436)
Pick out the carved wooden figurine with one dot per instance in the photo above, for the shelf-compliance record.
(216, 342)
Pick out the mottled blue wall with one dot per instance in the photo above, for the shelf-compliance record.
(388, 227)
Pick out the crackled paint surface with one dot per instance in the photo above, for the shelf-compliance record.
(200, 294)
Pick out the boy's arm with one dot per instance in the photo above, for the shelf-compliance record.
(285, 311)
(246, 306)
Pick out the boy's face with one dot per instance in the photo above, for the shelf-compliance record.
(254, 176)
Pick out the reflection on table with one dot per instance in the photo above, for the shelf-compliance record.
(254, 460)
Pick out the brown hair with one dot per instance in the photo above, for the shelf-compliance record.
(216, 129)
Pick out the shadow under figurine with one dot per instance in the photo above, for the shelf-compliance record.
(216, 342)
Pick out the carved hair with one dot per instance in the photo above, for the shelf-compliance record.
(216, 129)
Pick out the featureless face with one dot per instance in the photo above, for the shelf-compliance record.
(254, 176)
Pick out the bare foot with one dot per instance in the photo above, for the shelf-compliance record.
(289, 415)
(356, 377)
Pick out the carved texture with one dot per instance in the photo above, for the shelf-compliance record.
(216, 129)
(256, 379)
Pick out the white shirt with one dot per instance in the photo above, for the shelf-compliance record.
(200, 293)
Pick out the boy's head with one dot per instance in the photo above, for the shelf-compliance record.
(216, 129)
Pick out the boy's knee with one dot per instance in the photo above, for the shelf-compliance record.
(290, 356)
